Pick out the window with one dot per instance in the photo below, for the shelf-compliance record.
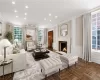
(41, 35)
(95, 18)
(18, 33)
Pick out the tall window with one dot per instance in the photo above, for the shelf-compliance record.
(95, 16)
(41, 35)
(18, 33)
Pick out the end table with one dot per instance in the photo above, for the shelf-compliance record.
(4, 63)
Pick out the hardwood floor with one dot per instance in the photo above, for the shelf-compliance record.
(82, 71)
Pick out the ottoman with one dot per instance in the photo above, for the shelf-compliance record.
(69, 59)
(50, 65)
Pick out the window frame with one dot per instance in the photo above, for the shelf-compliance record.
(19, 41)
(93, 13)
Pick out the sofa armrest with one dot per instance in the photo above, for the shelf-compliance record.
(19, 63)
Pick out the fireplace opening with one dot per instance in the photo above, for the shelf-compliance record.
(63, 46)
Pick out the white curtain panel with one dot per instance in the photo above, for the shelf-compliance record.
(45, 36)
(87, 37)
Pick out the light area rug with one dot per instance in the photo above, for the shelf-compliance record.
(33, 71)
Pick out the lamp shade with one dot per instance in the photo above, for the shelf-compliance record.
(4, 43)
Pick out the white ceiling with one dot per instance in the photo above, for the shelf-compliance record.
(40, 9)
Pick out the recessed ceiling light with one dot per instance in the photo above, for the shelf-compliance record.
(13, 2)
(56, 16)
(26, 7)
(49, 14)
(15, 11)
(50, 20)
(25, 13)
(25, 18)
(45, 19)
(17, 16)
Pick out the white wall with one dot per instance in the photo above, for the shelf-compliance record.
(77, 36)
(74, 37)
(3, 26)
(58, 38)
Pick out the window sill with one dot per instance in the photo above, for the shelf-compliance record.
(96, 51)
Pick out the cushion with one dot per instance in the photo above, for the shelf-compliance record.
(50, 63)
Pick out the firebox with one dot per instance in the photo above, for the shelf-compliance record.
(63, 46)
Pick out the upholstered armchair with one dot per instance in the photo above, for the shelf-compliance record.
(30, 45)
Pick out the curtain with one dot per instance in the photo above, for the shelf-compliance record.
(87, 37)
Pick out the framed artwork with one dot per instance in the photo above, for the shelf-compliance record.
(63, 30)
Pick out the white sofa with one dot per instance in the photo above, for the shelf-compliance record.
(19, 62)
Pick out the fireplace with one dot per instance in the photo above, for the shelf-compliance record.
(63, 46)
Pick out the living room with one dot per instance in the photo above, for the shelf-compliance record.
(49, 40)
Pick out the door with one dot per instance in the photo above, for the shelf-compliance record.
(50, 39)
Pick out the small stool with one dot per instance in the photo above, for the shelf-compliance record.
(50, 65)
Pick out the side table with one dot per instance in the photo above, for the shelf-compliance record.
(4, 63)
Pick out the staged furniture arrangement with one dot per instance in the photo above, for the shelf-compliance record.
(48, 64)
(44, 67)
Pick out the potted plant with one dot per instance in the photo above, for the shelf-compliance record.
(9, 36)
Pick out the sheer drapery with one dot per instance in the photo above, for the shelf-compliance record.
(87, 37)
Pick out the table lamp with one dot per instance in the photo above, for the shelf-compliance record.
(4, 43)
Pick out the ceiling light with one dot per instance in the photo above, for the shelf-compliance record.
(15, 11)
(56, 16)
(49, 14)
(13, 2)
(16, 16)
(25, 13)
(26, 7)
(45, 19)
(50, 20)
(25, 18)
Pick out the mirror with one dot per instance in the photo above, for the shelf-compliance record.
(63, 30)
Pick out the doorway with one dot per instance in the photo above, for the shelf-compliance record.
(50, 40)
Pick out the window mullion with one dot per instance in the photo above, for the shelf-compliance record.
(96, 31)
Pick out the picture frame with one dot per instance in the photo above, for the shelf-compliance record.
(63, 30)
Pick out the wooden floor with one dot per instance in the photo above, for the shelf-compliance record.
(83, 71)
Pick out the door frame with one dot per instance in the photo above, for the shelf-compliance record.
(52, 38)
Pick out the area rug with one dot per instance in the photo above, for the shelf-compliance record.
(33, 71)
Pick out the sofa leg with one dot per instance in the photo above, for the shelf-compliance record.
(45, 77)
(59, 71)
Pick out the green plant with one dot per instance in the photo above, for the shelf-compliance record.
(9, 36)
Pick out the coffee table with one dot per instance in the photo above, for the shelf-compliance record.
(39, 54)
